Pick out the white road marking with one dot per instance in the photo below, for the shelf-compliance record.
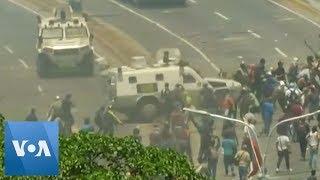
(234, 38)
(24, 7)
(296, 13)
(286, 19)
(40, 89)
(240, 57)
(204, 56)
(285, 34)
(24, 63)
(280, 52)
(254, 34)
(8, 49)
(275, 40)
(192, 1)
(221, 15)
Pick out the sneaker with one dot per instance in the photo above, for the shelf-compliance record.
(277, 170)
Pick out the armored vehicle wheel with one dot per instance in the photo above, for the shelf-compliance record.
(148, 109)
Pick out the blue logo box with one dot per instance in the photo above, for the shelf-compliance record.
(31, 148)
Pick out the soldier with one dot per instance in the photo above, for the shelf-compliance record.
(32, 115)
(66, 114)
(166, 98)
(99, 118)
(205, 131)
(54, 110)
(110, 121)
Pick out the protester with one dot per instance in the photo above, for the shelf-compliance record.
(293, 71)
(213, 156)
(110, 121)
(32, 115)
(242, 159)
(155, 137)
(136, 134)
(302, 132)
(313, 175)
(283, 148)
(229, 150)
(313, 141)
(267, 114)
(280, 72)
(87, 126)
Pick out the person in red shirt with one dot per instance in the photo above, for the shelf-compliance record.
(228, 105)
(295, 109)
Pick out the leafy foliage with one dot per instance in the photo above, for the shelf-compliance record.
(95, 156)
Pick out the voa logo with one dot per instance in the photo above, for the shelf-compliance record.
(31, 148)
(42, 148)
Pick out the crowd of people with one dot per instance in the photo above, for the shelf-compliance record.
(291, 92)
(61, 111)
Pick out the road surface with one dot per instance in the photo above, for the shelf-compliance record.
(226, 31)
(212, 34)
(21, 88)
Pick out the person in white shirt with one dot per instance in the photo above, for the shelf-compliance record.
(283, 146)
(313, 141)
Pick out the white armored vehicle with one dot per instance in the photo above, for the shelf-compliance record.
(64, 44)
(141, 88)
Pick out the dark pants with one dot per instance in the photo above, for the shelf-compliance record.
(202, 156)
(243, 172)
(283, 154)
(228, 161)
(303, 146)
(184, 147)
(212, 168)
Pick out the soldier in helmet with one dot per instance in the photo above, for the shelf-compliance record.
(54, 110)
(66, 114)
(110, 121)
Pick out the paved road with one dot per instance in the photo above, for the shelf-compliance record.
(21, 88)
(226, 31)
(223, 30)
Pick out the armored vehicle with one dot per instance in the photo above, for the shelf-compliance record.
(64, 44)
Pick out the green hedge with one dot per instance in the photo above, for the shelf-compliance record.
(94, 156)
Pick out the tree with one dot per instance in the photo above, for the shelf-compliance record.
(95, 156)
